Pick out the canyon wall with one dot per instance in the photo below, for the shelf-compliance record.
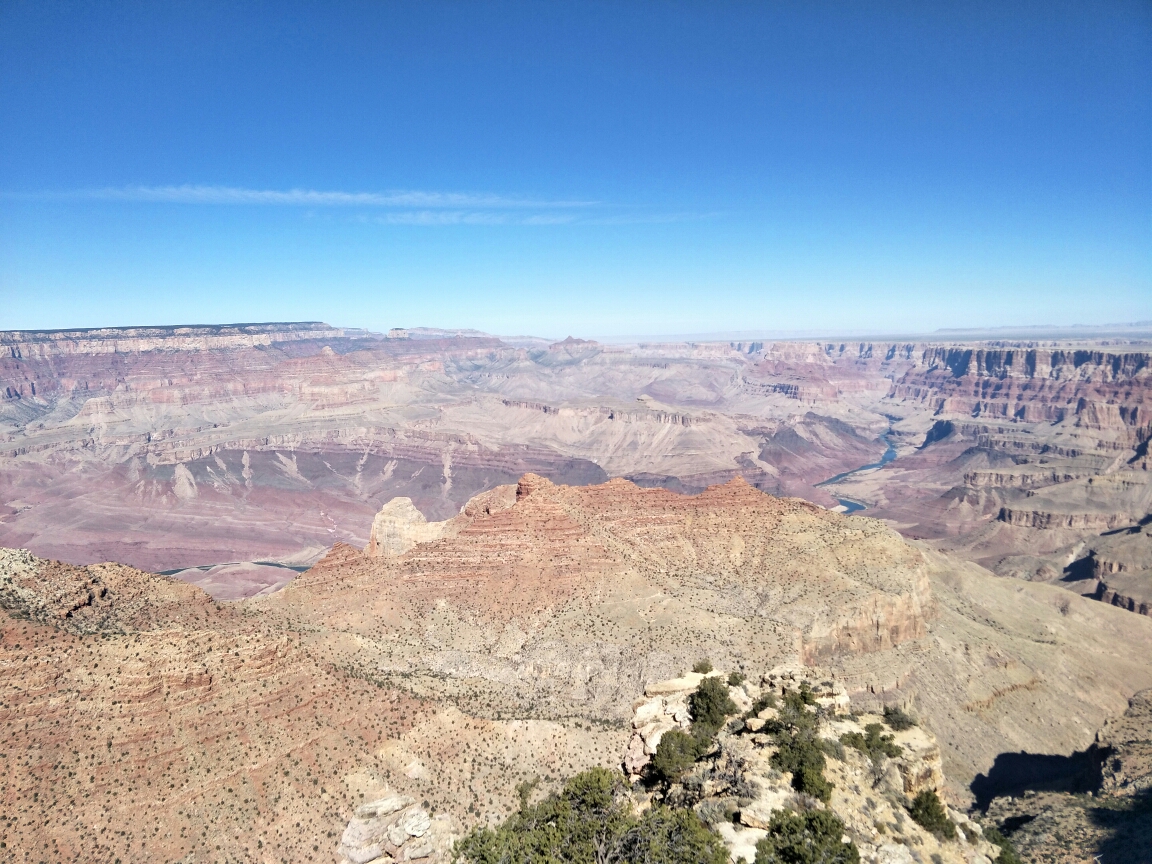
(224, 450)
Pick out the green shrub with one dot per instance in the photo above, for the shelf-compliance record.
(927, 812)
(806, 694)
(709, 705)
(766, 700)
(831, 748)
(802, 756)
(811, 781)
(524, 790)
(799, 750)
(805, 838)
(735, 679)
(872, 744)
(1008, 853)
(794, 716)
(590, 821)
(675, 754)
(703, 667)
(589, 812)
(667, 836)
(897, 719)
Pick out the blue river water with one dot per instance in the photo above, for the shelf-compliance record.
(849, 505)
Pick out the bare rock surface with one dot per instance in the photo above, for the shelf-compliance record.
(163, 726)
(1105, 815)
(399, 526)
(178, 448)
(573, 599)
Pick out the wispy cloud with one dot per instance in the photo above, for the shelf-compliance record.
(189, 194)
(404, 207)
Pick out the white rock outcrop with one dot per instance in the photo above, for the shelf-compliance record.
(399, 526)
(393, 828)
(665, 707)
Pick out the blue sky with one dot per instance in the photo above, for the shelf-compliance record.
(587, 168)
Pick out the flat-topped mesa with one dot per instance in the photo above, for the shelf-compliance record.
(29, 344)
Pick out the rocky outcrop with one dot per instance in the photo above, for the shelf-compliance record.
(395, 828)
(1121, 564)
(737, 790)
(1127, 769)
(1115, 596)
(100, 598)
(1110, 821)
(399, 526)
(663, 708)
(1047, 520)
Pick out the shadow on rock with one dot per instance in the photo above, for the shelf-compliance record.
(1129, 823)
(1017, 773)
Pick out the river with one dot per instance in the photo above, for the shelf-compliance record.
(855, 506)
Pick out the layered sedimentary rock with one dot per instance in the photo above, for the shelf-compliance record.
(157, 722)
(153, 724)
(399, 526)
(1121, 564)
(252, 445)
(570, 600)
(657, 569)
(1031, 454)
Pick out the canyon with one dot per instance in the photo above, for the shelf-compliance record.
(235, 456)
(367, 585)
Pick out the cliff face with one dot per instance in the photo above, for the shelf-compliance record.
(1031, 455)
(1097, 389)
(440, 678)
(179, 448)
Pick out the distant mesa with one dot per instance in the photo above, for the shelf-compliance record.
(570, 342)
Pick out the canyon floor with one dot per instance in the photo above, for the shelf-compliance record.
(584, 520)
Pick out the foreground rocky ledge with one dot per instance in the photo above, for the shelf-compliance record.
(153, 721)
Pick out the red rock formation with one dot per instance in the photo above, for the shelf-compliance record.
(173, 448)
(152, 724)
